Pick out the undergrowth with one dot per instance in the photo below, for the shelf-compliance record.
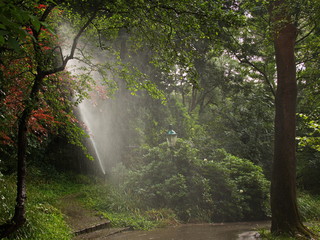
(309, 207)
(122, 209)
(46, 222)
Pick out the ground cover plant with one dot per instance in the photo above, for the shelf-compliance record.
(48, 187)
(45, 220)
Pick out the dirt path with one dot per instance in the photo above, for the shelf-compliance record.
(85, 223)
(77, 216)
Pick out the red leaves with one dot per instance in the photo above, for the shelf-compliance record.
(101, 91)
(19, 73)
(44, 47)
(41, 123)
(42, 6)
(42, 114)
(38, 123)
(29, 30)
(5, 139)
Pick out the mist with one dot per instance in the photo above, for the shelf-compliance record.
(105, 113)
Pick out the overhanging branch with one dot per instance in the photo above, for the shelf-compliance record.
(73, 47)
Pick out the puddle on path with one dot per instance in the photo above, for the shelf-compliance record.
(225, 231)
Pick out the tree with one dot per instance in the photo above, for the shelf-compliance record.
(40, 72)
(252, 47)
(285, 215)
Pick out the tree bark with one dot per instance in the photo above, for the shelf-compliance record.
(285, 214)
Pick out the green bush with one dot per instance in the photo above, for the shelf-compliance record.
(226, 188)
(240, 190)
(169, 178)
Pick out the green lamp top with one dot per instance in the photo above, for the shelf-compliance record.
(171, 132)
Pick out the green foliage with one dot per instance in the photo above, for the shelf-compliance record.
(239, 188)
(240, 120)
(168, 179)
(12, 20)
(309, 207)
(44, 220)
(308, 165)
(312, 131)
(226, 188)
(6, 197)
(122, 208)
(136, 80)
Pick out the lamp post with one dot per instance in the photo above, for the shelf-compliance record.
(171, 137)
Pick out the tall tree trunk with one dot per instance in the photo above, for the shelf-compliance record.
(285, 215)
(19, 214)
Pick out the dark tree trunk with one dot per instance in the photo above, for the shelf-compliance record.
(19, 214)
(285, 215)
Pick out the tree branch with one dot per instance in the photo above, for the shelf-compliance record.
(245, 60)
(305, 36)
(73, 48)
(47, 12)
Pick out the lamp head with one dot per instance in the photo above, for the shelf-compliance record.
(171, 137)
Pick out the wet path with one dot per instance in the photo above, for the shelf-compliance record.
(226, 231)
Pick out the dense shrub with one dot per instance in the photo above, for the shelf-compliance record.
(239, 188)
(169, 178)
(225, 188)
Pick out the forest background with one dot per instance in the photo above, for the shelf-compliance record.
(207, 68)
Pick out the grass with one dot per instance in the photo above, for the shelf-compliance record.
(44, 218)
(313, 226)
(122, 209)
